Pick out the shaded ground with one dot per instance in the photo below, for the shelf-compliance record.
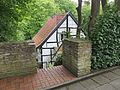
(106, 81)
(44, 78)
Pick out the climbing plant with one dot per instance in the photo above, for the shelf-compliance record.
(106, 39)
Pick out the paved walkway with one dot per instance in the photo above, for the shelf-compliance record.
(44, 78)
(55, 75)
(106, 81)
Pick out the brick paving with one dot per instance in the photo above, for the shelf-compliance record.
(44, 78)
(105, 81)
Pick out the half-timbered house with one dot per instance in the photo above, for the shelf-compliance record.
(49, 39)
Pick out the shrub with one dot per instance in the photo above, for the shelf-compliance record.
(106, 39)
(58, 60)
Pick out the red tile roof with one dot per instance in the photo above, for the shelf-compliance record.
(47, 29)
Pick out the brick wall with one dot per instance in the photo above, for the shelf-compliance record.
(17, 58)
(76, 56)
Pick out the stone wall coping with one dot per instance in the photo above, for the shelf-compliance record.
(76, 40)
(30, 42)
(12, 42)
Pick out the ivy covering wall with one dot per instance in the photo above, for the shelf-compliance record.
(106, 39)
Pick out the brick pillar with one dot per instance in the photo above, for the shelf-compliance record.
(76, 56)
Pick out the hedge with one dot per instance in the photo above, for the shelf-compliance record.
(106, 39)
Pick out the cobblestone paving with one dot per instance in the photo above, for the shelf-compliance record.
(106, 81)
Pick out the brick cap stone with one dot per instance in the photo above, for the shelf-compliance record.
(12, 42)
(76, 40)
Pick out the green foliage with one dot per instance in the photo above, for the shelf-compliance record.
(106, 39)
(11, 12)
(85, 15)
(38, 12)
(21, 19)
(67, 6)
(58, 60)
(50, 65)
(67, 34)
(87, 3)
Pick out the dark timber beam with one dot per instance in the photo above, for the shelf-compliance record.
(57, 37)
(41, 59)
(67, 28)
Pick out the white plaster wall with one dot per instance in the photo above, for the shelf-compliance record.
(71, 22)
(52, 37)
(38, 55)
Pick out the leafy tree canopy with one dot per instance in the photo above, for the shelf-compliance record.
(21, 19)
(10, 13)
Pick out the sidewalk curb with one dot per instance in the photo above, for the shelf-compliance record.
(81, 78)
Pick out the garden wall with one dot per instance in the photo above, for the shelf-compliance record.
(76, 56)
(17, 58)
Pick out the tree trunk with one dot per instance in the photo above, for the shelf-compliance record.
(79, 8)
(95, 8)
(103, 2)
(117, 2)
